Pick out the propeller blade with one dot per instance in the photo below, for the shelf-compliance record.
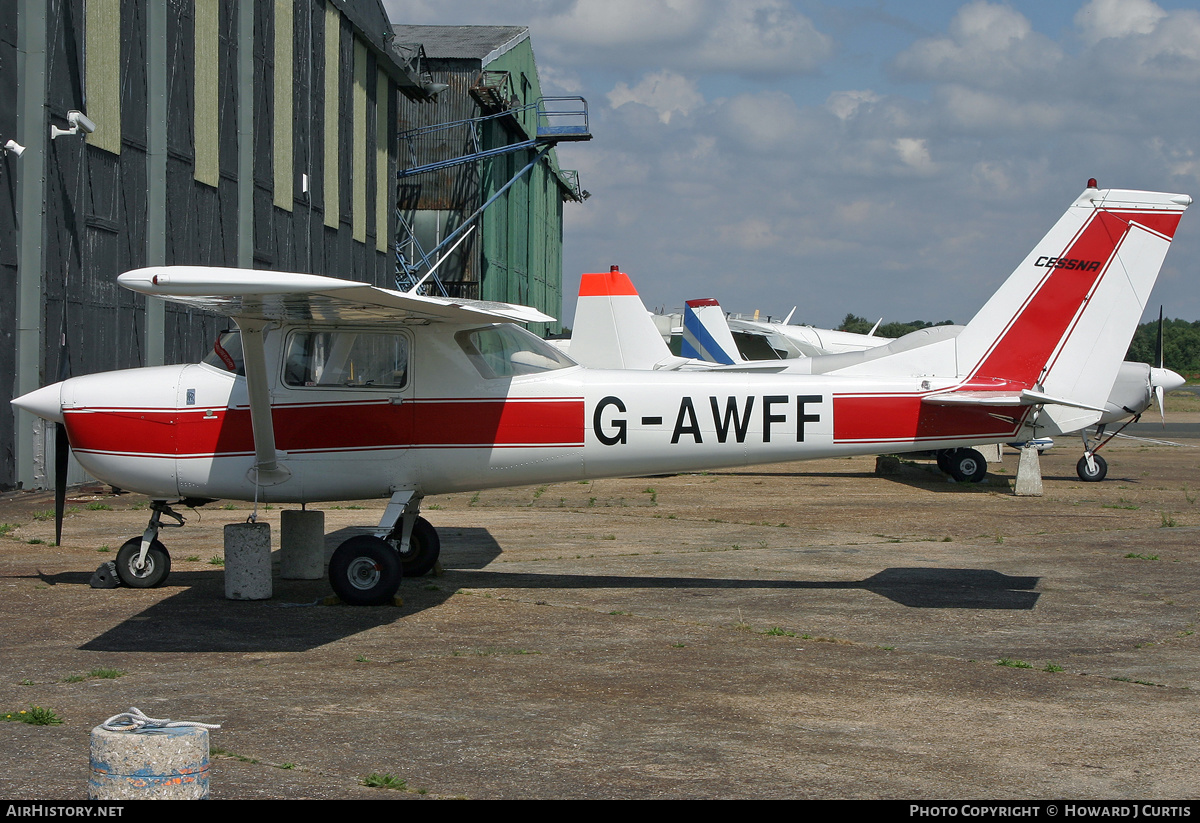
(1160, 394)
(62, 455)
(1158, 346)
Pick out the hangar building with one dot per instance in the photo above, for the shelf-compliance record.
(213, 132)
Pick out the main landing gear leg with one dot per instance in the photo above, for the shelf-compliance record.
(143, 563)
(411, 535)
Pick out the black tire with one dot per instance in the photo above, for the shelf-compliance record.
(158, 564)
(1088, 476)
(424, 547)
(365, 571)
(967, 466)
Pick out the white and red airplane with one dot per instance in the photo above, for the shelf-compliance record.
(339, 390)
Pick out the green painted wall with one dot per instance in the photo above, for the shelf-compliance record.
(522, 231)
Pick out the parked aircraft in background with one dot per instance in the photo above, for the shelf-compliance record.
(338, 390)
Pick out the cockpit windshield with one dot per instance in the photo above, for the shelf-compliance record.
(226, 353)
(505, 350)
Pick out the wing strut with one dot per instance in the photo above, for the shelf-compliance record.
(267, 470)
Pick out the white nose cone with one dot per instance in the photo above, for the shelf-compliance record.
(1166, 378)
(45, 402)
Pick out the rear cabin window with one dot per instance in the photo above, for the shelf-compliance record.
(346, 359)
(509, 351)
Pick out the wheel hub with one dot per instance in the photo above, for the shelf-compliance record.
(363, 573)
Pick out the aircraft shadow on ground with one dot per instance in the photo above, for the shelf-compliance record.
(200, 619)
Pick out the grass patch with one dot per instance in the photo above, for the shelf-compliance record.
(99, 507)
(103, 673)
(1134, 556)
(1013, 664)
(375, 780)
(217, 751)
(778, 631)
(5, 528)
(216, 560)
(34, 716)
(1168, 520)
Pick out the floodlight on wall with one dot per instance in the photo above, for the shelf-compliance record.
(79, 121)
(15, 147)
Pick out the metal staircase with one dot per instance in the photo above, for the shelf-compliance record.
(555, 120)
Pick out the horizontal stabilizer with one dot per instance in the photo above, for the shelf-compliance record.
(1002, 398)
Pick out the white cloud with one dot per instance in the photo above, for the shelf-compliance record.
(987, 44)
(1100, 19)
(664, 91)
(914, 153)
(845, 104)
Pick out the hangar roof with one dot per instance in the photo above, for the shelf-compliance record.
(482, 43)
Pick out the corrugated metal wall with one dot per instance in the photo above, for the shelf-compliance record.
(8, 237)
(95, 223)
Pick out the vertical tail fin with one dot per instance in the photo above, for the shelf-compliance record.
(1063, 320)
(706, 334)
(612, 328)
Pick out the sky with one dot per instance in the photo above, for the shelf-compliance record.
(882, 158)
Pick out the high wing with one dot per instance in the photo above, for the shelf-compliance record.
(276, 296)
(255, 299)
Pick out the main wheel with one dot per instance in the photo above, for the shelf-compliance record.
(365, 571)
(967, 466)
(424, 547)
(152, 574)
(1089, 475)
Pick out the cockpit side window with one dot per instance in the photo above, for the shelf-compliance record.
(346, 359)
(505, 350)
(226, 353)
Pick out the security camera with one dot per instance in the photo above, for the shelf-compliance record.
(81, 121)
(15, 147)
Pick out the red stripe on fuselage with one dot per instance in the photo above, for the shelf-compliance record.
(330, 427)
(900, 418)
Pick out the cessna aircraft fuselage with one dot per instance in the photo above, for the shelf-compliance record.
(453, 417)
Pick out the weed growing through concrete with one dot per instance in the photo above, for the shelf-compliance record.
(1013, 664)
(217, 751)
(216, 560)
(375, 780)
(34, 716)
(103, 673)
